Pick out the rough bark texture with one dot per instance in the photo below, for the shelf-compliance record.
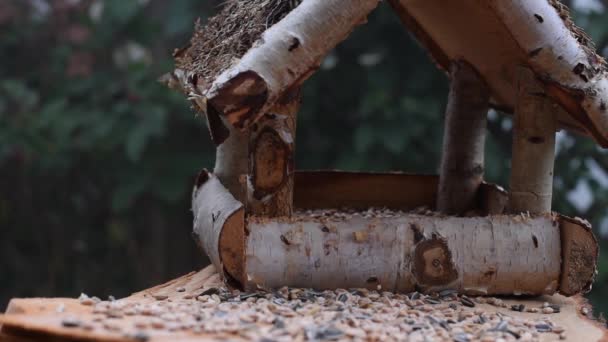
(533, 147)
(287, 54)
(490, 255)
(498, 36)
(271, 160)
(462, 163)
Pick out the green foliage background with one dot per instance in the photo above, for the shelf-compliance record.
(97, 159)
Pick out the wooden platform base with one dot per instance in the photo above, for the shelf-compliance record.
(39, 319)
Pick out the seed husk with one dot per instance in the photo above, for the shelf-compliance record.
(295, 314)
(543, 327)
(210, 291)
(548, 310)
(467, 302)
(141, 336)
(518, 307)
(71, 322)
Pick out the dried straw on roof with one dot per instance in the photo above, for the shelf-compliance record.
(229, 35)
(582, 37)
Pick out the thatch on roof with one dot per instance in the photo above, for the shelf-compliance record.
(226, 37)
(581, 36)
(496, 38)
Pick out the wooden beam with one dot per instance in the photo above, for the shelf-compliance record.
(289, 53)
(405, 252)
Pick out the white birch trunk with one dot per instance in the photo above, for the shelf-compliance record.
(219, 226)
(533, 147)
(288, 53)
(464, 137)
(572, 69)
(231, 162)
(485, 255)
(498, 36)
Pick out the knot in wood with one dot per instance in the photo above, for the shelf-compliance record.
(433, 263)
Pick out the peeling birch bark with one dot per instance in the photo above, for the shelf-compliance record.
(219, 226)
(533, 147)
(288, 53)
(462, 162)
(490, 256)
(271, 160)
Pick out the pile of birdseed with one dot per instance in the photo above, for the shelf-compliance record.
(345, 213)
(308, 315)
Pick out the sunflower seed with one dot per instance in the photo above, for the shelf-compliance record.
(518, 307)
(467, 302)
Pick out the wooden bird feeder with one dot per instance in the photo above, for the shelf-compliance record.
(265, 225)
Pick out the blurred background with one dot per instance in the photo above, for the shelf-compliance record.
(97, 159)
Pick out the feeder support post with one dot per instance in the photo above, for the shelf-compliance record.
(231, 162)
(462, 162)
(533, 146)
(271, 159)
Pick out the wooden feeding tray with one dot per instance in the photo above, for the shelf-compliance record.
(277, 234)
(165, 313)
(403, 247)
(265, 227)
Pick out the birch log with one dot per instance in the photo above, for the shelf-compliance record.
(395, 251)
(533, 147)
(488, 256)
(497, 36)
(219, 226)
(271, 160)
(462, 163)
(231, 162)
(288, 53)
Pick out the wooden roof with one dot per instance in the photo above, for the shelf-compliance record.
(498, 36)
(495, 36)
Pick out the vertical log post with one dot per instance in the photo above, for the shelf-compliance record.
(533, 147)
(462, 162)
(271, 159)
(231, 162)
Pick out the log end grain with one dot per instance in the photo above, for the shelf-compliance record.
(580, 252)
(232, 247)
